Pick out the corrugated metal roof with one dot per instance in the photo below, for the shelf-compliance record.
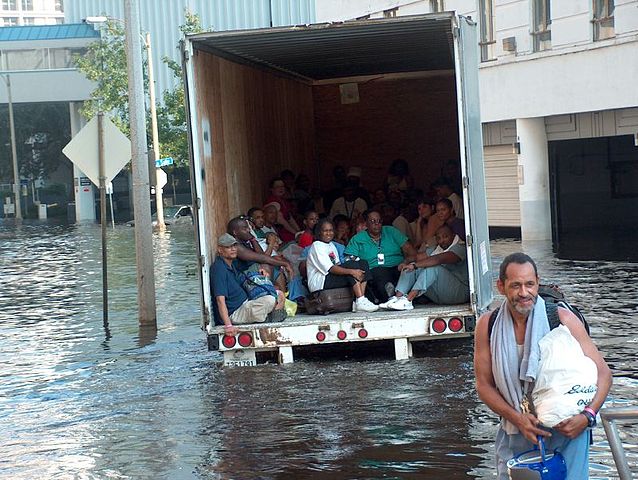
(317, 52)
(47, 32)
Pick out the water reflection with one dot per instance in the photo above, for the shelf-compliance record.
(77, 400)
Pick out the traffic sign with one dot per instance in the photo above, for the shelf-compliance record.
(82, 150)
(164, 162)
(162, 179)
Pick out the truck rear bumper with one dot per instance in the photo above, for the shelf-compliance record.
(421, 324)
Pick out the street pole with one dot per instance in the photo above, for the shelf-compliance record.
(103, 220)
(14, 153)
(139, 165)
(156, 147)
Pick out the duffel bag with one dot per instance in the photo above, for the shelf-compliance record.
(323, 302)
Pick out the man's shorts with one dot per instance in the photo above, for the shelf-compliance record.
(254, 311)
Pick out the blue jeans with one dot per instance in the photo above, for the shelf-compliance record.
(575, 451)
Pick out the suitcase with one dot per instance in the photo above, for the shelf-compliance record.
(323, 302)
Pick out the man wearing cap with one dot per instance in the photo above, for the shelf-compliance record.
(231, 306)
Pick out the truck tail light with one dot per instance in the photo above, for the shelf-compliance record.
(455, 324)
(341, 335)
(229, 341)
(363, 333)
(245, 339)
(439, 325)
(321, 336)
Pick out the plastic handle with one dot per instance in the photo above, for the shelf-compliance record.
(541, 444)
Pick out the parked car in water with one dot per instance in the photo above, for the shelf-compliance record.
(173, 215)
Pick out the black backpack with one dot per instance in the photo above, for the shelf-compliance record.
(554, 298)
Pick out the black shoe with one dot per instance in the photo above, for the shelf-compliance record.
(277, 316)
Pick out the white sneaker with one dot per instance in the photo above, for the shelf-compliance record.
(365, 305)
(390, 301)
(402, 303)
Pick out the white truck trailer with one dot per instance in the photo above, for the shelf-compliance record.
(308, 98)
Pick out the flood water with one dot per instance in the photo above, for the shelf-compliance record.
(78, 401)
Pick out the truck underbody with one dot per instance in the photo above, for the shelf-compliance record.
(425, 322)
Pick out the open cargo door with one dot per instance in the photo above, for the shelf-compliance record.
(471, 142)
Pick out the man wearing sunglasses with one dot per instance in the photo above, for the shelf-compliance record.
(384, 248)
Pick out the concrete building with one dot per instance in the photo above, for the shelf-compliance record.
(39, 62)
(558, 103)
(31, 12)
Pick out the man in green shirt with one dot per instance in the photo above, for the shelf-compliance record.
(384, 248)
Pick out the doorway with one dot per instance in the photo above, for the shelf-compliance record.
(594, 197)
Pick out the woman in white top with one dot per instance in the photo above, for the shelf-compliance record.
(325, 272)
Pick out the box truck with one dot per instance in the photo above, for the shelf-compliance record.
(308, 98)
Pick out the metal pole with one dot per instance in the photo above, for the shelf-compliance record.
(14, 154)
(103, 220)
(156, 147)
(609, 417)
(139, 166)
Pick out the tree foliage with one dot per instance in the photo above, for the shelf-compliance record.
(105, 64)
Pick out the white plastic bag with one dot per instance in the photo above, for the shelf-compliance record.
(566, 379)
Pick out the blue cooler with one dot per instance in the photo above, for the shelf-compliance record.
(537, 465)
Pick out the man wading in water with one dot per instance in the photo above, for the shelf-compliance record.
(500, 381)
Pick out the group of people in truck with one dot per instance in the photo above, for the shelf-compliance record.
(389, 247)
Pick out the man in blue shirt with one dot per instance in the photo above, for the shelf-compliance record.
(231, 305)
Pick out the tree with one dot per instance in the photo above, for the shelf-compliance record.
(171, 115)
(105, 64)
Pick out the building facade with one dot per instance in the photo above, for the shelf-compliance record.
(559, 110)
(39, 63)
(31, 12)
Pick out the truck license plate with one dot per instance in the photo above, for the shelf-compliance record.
(240, 358)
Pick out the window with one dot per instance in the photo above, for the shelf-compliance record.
(486, 15)
(59, 6)
(603, 20)
(391, 13)
(27, 5)
(59, 20)
(25, 59)
(10, 21)
(9, 5)
(437, 6)
(28, 21)
(541, 33)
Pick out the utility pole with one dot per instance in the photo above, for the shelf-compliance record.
(14, 153)
(139, 165)
(156, 147)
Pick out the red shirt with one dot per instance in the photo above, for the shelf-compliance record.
(305, 239)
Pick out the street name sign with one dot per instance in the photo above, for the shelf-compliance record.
(164, 162)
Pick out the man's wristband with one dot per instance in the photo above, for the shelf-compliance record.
(590, 410)
(591, 418)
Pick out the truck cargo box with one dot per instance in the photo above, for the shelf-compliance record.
(309, 98)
